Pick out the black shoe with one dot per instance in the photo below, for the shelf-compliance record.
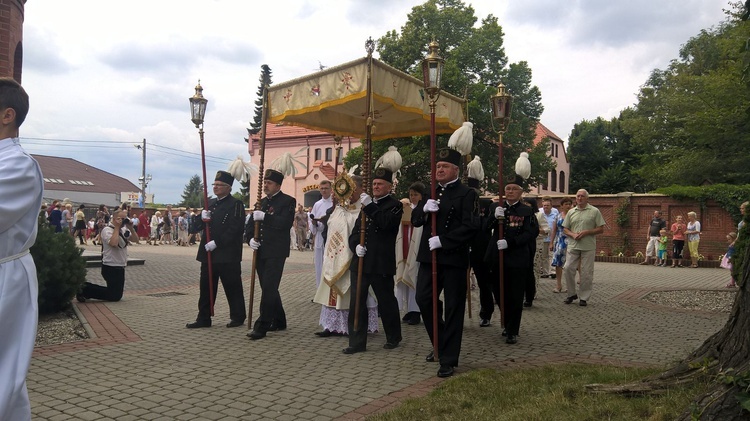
(430, 358)
(582, 303)
(553, 275)
(446, 370)
(80, 298)
(527, 304)
(511, 339)
(274, 327)
(414, 319)
(570, 299)
(234, 323)
(545, 276)
(256, 334)
(324, 334)
(505, 333)
(198, 324)
(390, 345)
(352, 350)
(484, 322)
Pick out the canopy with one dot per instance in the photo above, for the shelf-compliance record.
(334, 101)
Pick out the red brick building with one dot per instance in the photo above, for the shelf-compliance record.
(11, 38)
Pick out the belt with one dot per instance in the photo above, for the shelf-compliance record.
(14, 257)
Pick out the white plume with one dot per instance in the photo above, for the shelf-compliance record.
(390, 160)
(461, 140)
(353, 169)
(475, 169)
(242, 171)
(285, 163)
(523, 165)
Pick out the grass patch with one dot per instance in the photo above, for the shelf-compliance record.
(554, 392)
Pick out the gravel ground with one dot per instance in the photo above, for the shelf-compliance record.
(716, 300)
(59, 328)
(65, 327)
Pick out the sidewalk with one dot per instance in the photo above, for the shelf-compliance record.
(144, 364)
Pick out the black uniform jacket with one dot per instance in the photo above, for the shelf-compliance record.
(274, 235)
(521, 230)
(457, 224)
(383, 220)
(227, 219)
(482, 238)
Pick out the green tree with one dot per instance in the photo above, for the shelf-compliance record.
(692, 123)
(192, 195)
(255, 125)
(475, 63)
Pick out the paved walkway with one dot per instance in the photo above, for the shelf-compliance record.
(143, 363)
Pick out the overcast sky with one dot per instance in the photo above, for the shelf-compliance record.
(119, 72)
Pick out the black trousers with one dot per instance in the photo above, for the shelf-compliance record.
(382, 286)
(114, 276)
(230, 275)
(489, 292)
(530, 286)
(514, 284)
(451, 280)
(271, 310)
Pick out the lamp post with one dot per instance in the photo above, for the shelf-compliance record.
(197, 112)
(502, 103)
(432, 71)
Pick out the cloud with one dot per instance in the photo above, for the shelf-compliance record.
(618, 24)
(42, 53)
(177, 54)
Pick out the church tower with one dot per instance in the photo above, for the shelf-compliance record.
(11, 38)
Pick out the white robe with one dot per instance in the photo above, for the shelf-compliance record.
(316, 228)
(21, 189)
(407, 267)
(334, 292)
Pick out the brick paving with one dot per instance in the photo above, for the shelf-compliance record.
(143, 364)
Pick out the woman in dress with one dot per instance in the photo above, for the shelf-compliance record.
(155, 219)
(693, 237)
(80, 226)
(559, 243)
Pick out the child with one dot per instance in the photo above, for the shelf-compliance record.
(662, 254)
(726, 261)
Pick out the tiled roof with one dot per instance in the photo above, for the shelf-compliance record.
(280, 131)
(542, 131)
(69, 174)
(327, 170)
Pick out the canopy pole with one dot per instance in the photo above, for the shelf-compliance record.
(366, 176)
(259, 197)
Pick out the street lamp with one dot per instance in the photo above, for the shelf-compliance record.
(432, 72)
(502, 103)
(197, 112)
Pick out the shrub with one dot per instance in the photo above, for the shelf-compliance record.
(60, 269)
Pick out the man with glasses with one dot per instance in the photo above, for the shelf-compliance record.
(225, 217)
(582, 224)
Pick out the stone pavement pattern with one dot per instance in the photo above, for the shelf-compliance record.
(144, 364)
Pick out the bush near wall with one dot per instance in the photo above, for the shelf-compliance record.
(60, 269)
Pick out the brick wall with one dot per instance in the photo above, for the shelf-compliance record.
(716, 222)
(11, 37)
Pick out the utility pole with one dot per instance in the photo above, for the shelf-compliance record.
(143, 178)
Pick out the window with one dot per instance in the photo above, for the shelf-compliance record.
(553, 181)
(557, 150)
(329, 154)
(562, 182)
(318, 155)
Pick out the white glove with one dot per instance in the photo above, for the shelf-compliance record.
(255, 245)
(434, 243)
(365, 199)
(432, 205)
(206, 215)
(499, 212)
(210, 246)
(361, 250)
(247, 217)
(258, 215)
(502, 244)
